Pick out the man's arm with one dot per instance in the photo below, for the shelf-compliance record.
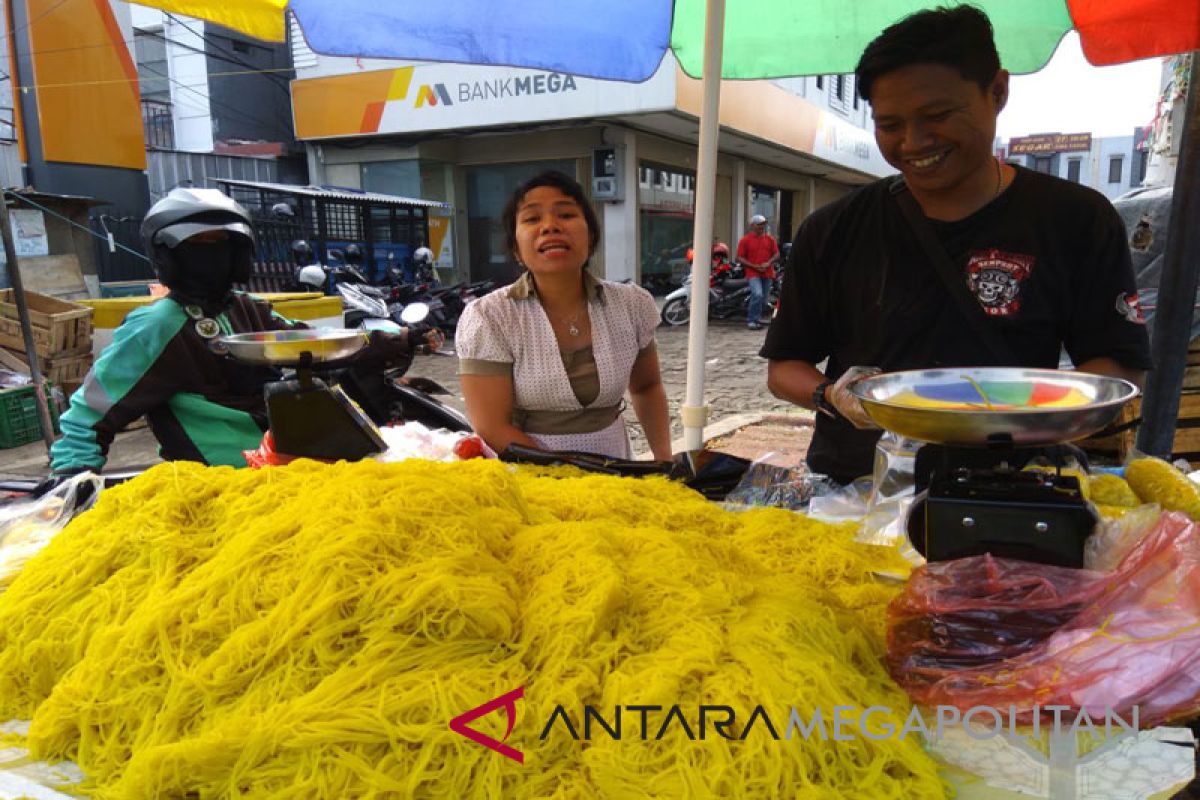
(794, 381)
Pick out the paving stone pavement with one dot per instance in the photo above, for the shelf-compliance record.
(735, 384)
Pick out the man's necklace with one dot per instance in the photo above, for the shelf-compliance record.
(999, 178)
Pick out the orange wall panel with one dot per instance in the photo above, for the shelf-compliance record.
(89, 109)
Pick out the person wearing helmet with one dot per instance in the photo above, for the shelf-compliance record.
(302, 253)
(758, 254)
(166, 360)
(422, 265)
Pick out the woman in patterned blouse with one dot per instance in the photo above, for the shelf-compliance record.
(546, 361)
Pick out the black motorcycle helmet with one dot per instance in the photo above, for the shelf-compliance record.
(354, 254)
(186, 212)
(302, 252)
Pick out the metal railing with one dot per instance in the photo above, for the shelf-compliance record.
(158, 125)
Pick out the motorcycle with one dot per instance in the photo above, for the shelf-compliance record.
(392, 397)
(728, 296)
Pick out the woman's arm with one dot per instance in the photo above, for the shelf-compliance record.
(489, 407)
(649, 401)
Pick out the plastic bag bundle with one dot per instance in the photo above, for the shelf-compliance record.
(983, 631)
(27, 526)
(768, 484)
(309, 631)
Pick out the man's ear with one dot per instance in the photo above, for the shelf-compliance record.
(998, 91)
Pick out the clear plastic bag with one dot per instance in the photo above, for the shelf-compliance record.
(414, 440)
(847, 503)
(26, 526)
(892, 486)
(766, 483)
(1114, 537)
(984, 631)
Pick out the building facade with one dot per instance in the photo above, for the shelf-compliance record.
(466, 135)
(1111, 165)
(215, 103)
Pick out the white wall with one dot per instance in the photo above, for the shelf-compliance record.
(825, 98)
(188, 71)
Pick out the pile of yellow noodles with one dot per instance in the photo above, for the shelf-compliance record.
(308, 632)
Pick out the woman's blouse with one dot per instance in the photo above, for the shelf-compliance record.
(508, 333)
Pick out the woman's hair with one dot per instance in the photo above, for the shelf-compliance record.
(568, 186)
(959, 37)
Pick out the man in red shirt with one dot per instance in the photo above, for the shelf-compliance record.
(758, 254)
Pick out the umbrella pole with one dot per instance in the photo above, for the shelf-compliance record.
(1176, 288)
(14, 276)
(694, 413)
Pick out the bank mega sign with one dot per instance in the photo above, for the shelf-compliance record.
(430, 97)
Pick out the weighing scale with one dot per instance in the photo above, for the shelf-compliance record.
(982, 426)
(308, 417)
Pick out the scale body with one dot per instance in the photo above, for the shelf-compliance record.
(973, 494)
(309, 418)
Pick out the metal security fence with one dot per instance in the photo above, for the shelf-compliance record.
(274, 267)
(113, 263)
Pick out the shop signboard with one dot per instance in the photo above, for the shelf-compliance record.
(1047, 143)
(429, 97)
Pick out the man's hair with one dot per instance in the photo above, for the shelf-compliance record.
(959, 36)
(568, 186)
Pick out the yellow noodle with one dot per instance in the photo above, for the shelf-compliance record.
(308, 631)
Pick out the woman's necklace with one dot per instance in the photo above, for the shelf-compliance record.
(572, 323)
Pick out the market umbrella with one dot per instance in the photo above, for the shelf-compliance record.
(740, 39)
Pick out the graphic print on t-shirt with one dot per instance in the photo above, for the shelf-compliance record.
(1129, 306)
(995, 278)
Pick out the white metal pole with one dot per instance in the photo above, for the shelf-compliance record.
(694, 413)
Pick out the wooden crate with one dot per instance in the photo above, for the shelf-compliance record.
(1191, 373)
(1119, 444)
(60, 328)
(68, 372)
(64, 371)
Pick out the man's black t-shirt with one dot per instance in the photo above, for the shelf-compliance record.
(1047, 260)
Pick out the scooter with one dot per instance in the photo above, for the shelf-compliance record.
(727, 296)
(392, 396)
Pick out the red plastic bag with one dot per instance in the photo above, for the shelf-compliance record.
(984, 631)
(265, 455)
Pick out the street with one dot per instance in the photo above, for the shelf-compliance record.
(735, 383)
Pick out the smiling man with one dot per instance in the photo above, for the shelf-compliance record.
(962, 260)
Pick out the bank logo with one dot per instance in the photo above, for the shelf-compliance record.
(433, 95)
(508, 702)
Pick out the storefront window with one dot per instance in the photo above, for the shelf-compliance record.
(488, 189)
(666, 199)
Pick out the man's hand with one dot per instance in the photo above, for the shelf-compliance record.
(419, 336)
(849, 406)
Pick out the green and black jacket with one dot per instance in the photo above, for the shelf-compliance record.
(201, 405)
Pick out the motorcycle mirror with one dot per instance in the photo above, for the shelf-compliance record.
(414, 313)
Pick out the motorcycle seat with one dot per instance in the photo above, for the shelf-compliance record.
(733, 284)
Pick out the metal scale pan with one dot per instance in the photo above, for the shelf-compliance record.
(287, 348)
(980, 406)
